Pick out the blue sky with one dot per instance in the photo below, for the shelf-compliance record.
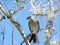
(21, 17)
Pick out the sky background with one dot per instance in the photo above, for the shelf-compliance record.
(21, 17)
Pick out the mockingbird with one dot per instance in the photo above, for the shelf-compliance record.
(34, 28)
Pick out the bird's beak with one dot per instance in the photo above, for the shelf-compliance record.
(27, 18)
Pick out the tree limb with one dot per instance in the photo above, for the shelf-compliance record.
(17, 25)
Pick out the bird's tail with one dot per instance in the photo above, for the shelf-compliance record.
(34, 37)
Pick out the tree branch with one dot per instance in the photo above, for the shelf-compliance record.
(17, 25)
(3, 10)
(17, 10)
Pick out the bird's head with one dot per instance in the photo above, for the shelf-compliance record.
(28, 17)
(31, 18)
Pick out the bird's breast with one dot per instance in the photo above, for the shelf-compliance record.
(33, 27)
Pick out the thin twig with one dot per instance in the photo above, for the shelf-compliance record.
(12, 37)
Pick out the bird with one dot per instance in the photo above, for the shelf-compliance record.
(34, 29)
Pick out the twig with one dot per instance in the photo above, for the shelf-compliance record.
(3, 34)
(27, 38)
(12, 37)
(17, 10)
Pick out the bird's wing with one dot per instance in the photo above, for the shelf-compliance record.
(38, 25)
(34, 26)
(29, 26)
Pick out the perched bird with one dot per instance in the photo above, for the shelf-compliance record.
(34, 28)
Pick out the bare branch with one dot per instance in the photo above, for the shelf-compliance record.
(3, 10)
(12, 37)
(27, 38)
(18, 26)
(48, 32)
(17, 10)
(58, 8)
